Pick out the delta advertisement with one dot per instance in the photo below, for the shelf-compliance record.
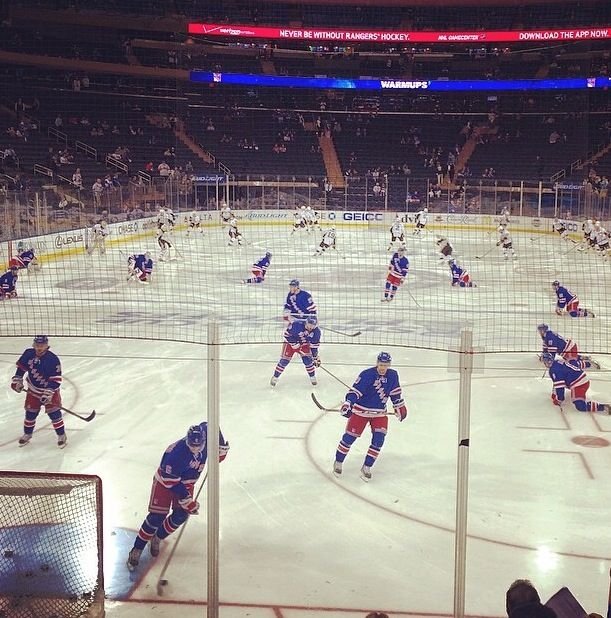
(391, 37)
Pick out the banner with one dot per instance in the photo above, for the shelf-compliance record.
(391, 36)
(474, 85)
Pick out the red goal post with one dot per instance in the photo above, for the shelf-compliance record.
(51, 550)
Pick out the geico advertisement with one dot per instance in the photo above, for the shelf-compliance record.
(349, 216)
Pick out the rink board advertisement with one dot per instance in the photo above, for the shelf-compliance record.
(72, 242)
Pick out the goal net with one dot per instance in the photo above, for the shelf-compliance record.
(50, 545)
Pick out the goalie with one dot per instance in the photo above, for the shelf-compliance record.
(25, 259)
(97, 238)
(140, 266)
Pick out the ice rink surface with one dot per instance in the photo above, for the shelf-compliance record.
(295, 540)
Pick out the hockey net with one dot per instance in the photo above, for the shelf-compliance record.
(50, 545)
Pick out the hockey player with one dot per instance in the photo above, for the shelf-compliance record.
(195, 223)
(259, 269)
(43, 381)
(226, 215)
(506, 243)
(421, 219)
(553, 343)
(397, 271)
(309, 218)
(300, 337)
(299, 304)
(8, 283)
(329, 239)
(565, 374)
(300, 221)
(235, 236)
(397, 233)
(181, 465)
(315, 216)
(559, 226)
(504, 220)
(445, 248)
(460, 276)
(593, 234)
(365, 403)
(140, 265)
(587, 228)
(25, 259)
(97, 238)
(567, 301)
(602, 240)
(165, 245)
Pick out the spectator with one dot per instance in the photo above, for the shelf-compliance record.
(522, 601)
(97, 188)
(163, 169)
(77, 179)
(58, 122)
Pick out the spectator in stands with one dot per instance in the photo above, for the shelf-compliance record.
(58, 122)
(149, 167)
(163, 169)
(522, 601)
(97, 188)
(77, 179)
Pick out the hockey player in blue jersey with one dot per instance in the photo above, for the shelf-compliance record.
(172, 490)
(300, 337)
(44, 378)
(140, 265)
(567, 301)
(8, 283)
(259, 269)
(555, 344)
(565, 374)
(460, 276)
(366, 404)
(397, 271)
(25, 259)
(299, 304)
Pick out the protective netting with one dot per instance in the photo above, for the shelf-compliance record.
(50, 545)
(80, 294)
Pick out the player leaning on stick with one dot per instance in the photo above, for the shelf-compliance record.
(44, 378)
(171, 500)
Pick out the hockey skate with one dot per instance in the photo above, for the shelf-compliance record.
(588, 313)
(155, 543)
(25, 439)
(337, 468)
(273, 381)
(62, 440)
(133, 560)
(606, 409)
(313, 380)
(366, 473)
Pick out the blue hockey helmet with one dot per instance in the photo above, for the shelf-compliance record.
(312, 321)
(14, 268)
(41, 339)
(294, 283)
(196, 436)
(547, 359)
(555, 283)
(384, 357)
(268, 254)
(543, 328)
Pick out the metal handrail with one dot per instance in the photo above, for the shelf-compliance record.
(90, 151)
(116, 163)
(41, 169)
(145, 176)
(58, 135)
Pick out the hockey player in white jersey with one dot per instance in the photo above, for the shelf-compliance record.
(329, 239)
(97, 238)
(602, 241)
(504, 221)
(167, 249)
(300, 222)
(559, 226)
(445, 248)
(506, 243)
(226, 215)
(587, 227)
(194, 223)
(421, 219)
(235, 236)
(397, 233)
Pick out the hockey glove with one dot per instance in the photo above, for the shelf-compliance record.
(46, 396)
(346, 409)
(555, 400)
(189, 505)
(401, 412)
(558, 311)
(17, 384)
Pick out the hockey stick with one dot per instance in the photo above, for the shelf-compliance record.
(161, 582)
(479, 257)
(339, 332)
(334, 377)
(88, 418)
(415, 301)
(320, 406)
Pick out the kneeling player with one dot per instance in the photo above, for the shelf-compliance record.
(565, 374)
(140, 265)
(567, 301)
(300, 337)
(26, 259)
(553, 343)
(460, 276)
(329, 239)
(397, 271)
(172, 490)
(8, 283)
(259, 269)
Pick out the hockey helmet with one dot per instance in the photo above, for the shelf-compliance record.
(196, 437)
(13, 268)
(425, 209)
(268, 254)
(401, 249)
(556, 283)
(312, 321)
(547, 359)
(384, 357)
(147, 255)
(542, 328)
(41, 339)
(294, 283)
